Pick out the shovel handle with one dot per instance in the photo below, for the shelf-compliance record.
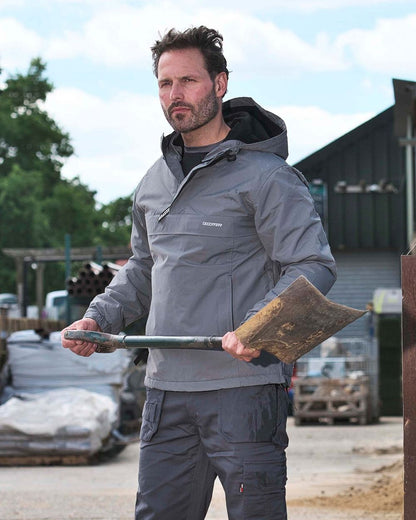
(110, 342)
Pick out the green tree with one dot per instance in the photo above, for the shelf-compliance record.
(29, 137)
(115, 220)
(71, 208)
(37, 206)
(22, 222)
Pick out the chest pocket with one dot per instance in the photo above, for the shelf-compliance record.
(197, 239)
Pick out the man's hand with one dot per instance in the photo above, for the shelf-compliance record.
(82, 348)
(232, 345)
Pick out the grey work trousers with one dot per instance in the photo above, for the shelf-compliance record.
(190, 438)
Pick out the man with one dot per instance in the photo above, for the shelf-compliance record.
(221, 225)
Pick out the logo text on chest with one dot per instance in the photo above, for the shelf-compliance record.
(212, 224)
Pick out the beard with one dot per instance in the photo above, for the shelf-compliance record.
(197, 116)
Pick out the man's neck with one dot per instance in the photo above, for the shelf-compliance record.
(211, 133)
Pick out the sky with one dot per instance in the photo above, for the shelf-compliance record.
(324, 66)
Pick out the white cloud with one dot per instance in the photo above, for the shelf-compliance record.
(17, 44)
(311, 128)
(115, 140)
(118, 36)
(319, 5)
(71, 44)
(388, 48)
(240, 5)
(111, 176)
(122, 36)
(10, 3)
(261, 47)
(283, 6)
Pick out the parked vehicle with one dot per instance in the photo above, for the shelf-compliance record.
(55, 305)
(9, 301)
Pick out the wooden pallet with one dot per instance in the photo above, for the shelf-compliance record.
(45, 460)
(329, 400)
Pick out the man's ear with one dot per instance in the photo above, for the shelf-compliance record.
(221, 83)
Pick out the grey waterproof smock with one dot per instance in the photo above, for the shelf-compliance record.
(211, 249)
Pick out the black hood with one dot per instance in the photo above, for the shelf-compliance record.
(254, 126)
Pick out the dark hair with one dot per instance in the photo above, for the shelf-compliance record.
(208, 41)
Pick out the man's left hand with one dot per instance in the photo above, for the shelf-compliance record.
(232, 345)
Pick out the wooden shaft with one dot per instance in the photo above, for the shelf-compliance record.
(409, 383)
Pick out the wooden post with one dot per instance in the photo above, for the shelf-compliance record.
(409, 383)
(19, 283)
(40, 298)
(3, 336)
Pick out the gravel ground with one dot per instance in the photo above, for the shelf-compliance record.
(323, 461)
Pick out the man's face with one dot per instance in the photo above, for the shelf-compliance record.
(186, 91)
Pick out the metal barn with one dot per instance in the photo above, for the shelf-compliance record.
(363, 186)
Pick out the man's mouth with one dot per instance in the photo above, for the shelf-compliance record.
(178, 108)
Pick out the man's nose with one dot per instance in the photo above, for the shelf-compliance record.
(176, 92)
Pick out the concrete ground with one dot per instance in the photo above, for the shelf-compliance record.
(323, 461)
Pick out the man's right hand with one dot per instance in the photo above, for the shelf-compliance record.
(82, 348)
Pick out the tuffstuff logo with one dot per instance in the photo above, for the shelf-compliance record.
(211, 224)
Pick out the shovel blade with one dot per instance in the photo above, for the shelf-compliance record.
(295, 322)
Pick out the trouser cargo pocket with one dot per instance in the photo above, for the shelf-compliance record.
(264, 490)
(151, 413)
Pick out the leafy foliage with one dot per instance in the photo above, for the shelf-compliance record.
(116, 221)
(28, 136)
(37, 205)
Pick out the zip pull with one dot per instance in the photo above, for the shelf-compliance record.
(242, 487)
(163, 214)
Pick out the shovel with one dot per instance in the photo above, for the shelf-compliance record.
(288, 327)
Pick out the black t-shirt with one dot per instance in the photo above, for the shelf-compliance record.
(192, 156)
(244, 127)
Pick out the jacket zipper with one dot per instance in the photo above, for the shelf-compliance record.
(228, 153)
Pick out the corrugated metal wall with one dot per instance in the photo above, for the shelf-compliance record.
(360, 273)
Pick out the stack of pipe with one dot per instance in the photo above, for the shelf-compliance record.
(92, 279)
